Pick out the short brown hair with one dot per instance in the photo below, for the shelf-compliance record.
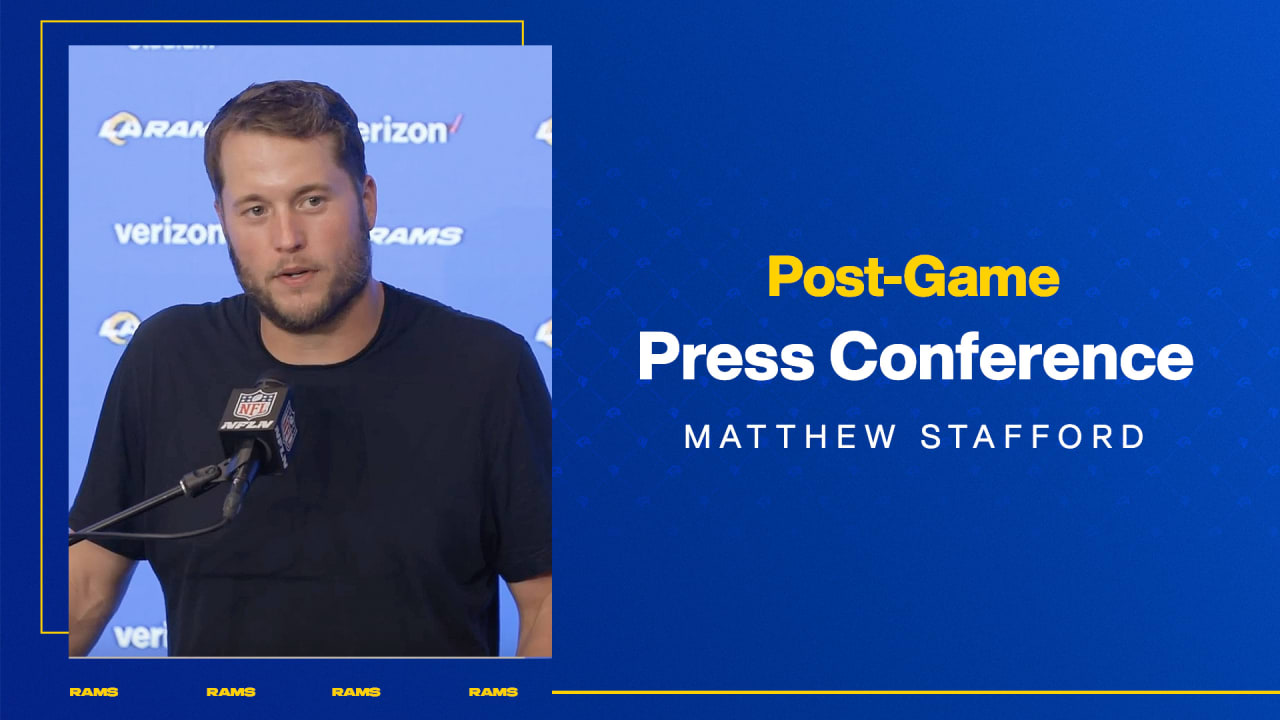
(287, 108)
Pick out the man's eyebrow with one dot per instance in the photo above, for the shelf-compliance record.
(252, 197)
(304, 190)
(313, 187)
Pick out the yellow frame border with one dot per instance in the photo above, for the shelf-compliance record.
(168, 22)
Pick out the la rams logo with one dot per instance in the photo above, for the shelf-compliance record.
(544, 333)
(122, 126)
(119, 126)
(254, 405)
(119, 327)
(544, 132)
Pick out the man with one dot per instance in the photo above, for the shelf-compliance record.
(422, 464)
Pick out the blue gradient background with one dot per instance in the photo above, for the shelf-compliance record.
(1132, 146)
(1134, 152)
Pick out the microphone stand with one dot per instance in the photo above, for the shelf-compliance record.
(192, 484)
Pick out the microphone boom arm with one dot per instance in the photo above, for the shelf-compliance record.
(192, 484)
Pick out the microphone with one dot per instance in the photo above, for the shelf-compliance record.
(258, 431)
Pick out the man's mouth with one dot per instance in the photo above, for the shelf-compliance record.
(295, 276)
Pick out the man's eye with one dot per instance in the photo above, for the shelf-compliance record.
(255, 211)
(314, 201)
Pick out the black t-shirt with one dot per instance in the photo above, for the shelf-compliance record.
(422, 471)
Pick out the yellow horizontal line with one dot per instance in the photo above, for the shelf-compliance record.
(915, 692)
(54, 632)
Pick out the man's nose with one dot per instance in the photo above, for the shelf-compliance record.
(288, 235)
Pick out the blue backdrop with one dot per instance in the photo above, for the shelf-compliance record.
(1131, 146)
(458, 140)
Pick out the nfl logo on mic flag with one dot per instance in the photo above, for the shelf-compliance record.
(254, 405)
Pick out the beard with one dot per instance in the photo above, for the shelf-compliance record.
(350, 275)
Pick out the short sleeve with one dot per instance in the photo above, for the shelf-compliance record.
(113, 478)
(520, 471)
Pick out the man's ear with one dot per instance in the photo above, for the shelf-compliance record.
(369, 198)
(217, 208)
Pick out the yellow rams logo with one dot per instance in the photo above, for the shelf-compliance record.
(119, 126)
(544, 333)
(544, 132)
(493, 692)
(119, 327)
(357, 692)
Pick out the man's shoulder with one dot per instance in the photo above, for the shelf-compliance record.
(436, 323)
(184, 322)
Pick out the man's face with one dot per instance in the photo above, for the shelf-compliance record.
(296, 228)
